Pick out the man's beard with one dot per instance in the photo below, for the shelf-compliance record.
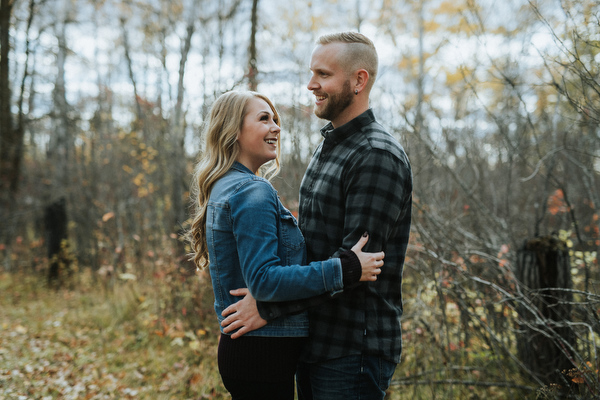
(336, 103)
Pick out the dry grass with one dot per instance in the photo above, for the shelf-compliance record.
(89, 344)
(155, 340)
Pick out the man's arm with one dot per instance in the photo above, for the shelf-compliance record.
(377, 187)
(248, 314)
(242, 315)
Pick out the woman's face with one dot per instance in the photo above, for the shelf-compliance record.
(259, 135)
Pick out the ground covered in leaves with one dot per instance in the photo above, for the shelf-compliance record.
(70, 344)
(158, 340)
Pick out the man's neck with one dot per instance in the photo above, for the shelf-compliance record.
(352, 111)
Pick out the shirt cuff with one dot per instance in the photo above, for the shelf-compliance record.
(351, 268)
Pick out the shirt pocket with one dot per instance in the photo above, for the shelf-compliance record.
(289, 233)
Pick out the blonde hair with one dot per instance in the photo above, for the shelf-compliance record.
(221, 150)
(359, 52)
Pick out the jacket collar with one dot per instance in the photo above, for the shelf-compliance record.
(241, 167)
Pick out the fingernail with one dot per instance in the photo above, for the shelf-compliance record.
(365, 234)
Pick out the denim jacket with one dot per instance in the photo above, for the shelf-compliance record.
(254, 242)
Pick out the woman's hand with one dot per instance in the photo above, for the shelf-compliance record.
(370, 262)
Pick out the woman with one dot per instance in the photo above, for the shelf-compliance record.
(249, 239)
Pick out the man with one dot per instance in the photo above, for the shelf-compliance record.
(359, 179)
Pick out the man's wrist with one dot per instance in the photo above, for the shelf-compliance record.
(351, 268)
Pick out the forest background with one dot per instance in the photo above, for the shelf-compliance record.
(102, 103)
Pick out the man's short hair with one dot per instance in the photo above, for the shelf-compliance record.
(360, 52)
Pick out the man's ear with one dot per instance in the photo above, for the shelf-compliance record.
(362, 77)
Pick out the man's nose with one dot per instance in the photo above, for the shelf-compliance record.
(312, 84)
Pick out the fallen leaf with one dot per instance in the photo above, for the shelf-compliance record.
(107, 216)
(21, 329)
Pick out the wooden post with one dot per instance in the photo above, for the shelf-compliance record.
(544, 269)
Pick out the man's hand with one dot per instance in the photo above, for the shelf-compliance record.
(243, 315)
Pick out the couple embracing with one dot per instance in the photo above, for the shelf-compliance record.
(299, 300)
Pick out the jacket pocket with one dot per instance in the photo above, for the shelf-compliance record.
(290, 234)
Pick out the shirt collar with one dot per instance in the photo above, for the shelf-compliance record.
(338, 134)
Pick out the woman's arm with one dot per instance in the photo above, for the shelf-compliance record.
(254, 210)
(244, 315)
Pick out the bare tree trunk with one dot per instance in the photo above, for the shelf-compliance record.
(5, 95)
(59, 156)
(421, 78)
(58, 151)
(126, 47)
(178, 142)
(14, 146)
(20, 129)
(7, 140)
(224, 15)
(252, 67)
(85, 209)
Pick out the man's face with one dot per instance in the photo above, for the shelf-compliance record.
(329, 83)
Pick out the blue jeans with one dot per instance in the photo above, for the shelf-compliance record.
(347, 378)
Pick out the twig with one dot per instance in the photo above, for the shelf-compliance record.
(408, 382)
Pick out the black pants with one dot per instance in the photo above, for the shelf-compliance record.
(259, 368)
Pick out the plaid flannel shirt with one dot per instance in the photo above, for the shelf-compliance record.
(358, 180)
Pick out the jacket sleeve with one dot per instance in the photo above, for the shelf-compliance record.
(352, 271)
(254, 210)
(271, 310)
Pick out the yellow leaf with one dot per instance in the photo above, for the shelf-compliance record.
(447, 7)
(107, 216)
(431, 26)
